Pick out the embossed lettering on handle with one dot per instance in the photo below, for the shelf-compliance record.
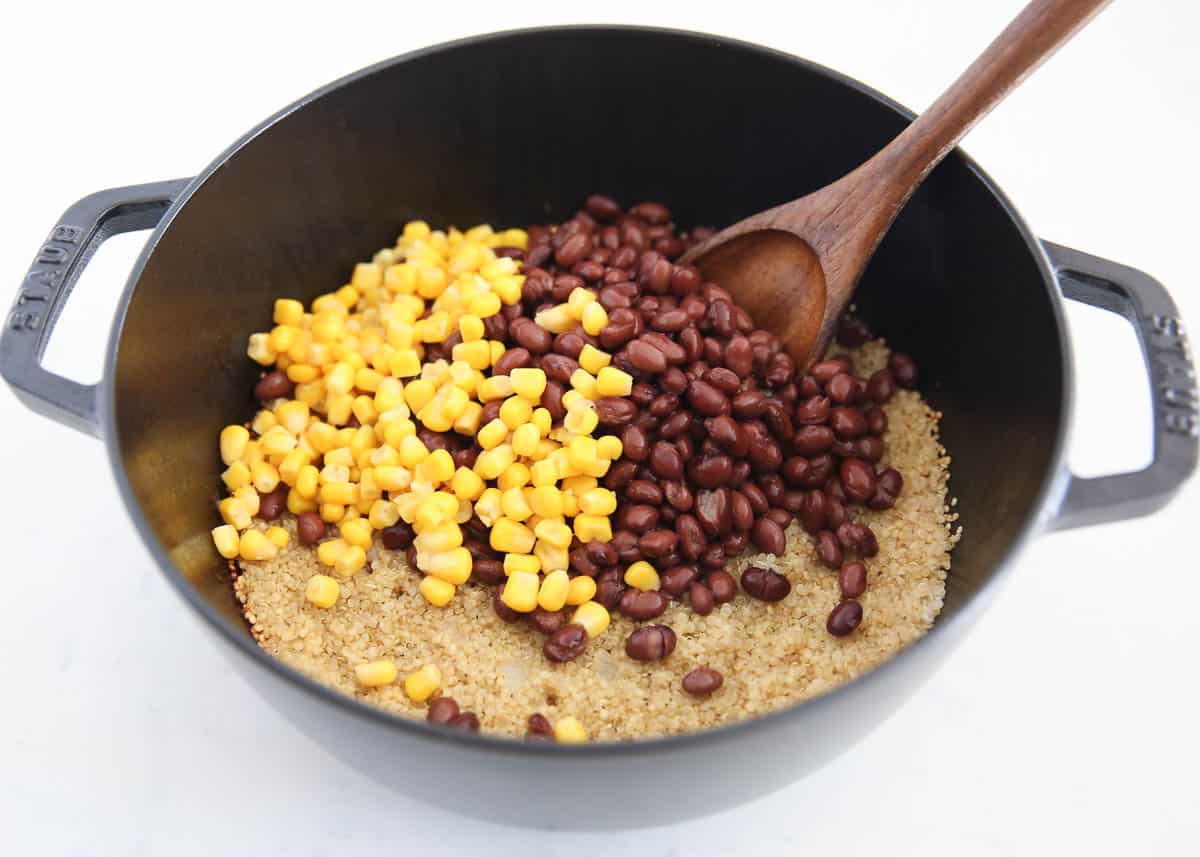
(1174, 378)
(40, 290)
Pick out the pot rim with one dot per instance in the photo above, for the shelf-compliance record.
(1049, 495)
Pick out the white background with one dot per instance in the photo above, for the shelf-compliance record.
(1066, 721)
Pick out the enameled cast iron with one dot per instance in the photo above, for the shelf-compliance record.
(516, 128)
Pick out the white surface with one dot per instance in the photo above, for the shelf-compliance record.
(1066, 721)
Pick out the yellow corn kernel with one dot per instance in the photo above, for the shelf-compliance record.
(233, 443)
(439, 538)
(329, 551)
(302, 374)
(288, 311)
(259, 349)
(236, 475)
(356, 532)
(554, 532)
(338, 493)
(493, 434)
(397, 430)
(592, 359)
(516, 475)
(254, 545)
(383, 514)
(466, 484)
(485, 305)
(513, 505)
(611, 381)
(525, 439)
(438, 467)
(594, 319)
(264, 476)
(278, 536)
(282, 338)
(552, 595)
(322, 436)
(594, 617)
(416, 230)
(497, 350)
(226, 539)
(546, 501)
(598, 501)
(521, 591)
(290, 467)
(527, 563)
(579, 299)
(423, 683)
(581, 452)
(551, 557)
(435, 509)
(477, 354)
(515, 412)
(375, 673)
(235, 512)
(322, 591)
(405, 363)
(542, 420)
(641, 575)
(543, 473)
(578, 484)
(495, 387)
(487, 507)
(369, 489)
(468, 421)
(593, 528)
(492, 462)
(452, 566)
(508, 289)
(470, 327)
(510, 536)
(437, 592)
(581, 421)
(557, 319)
(248, 497)
(293, 416)
(528, 383)
(419, 393)
(412, 451)
(351, 560)
(569, 730)
(297, 503)
(580, 590)
(431, 282)
(363, 408)
(609, 447)
(331, 513)
(306, 482)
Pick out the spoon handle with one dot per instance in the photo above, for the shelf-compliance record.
(1036, 33)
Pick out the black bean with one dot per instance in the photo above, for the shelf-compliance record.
(702, 681)
(565, 644)
(844, 618)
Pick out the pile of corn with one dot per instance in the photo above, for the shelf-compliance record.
(359, 352)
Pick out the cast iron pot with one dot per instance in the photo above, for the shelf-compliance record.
(515, 128)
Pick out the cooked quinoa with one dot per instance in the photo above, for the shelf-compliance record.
(772, 655)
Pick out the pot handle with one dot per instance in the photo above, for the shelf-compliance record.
(61, 259)
(1145, 304)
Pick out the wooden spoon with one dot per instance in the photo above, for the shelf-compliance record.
(794, 267)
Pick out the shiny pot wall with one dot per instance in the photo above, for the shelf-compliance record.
(517, 128)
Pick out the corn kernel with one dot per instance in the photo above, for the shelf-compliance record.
(383, 514)
(435, 509)
(487, 507)
(552, 595)
(329, 551)
(582, 421)
(375, 673)
(227, 541)
(584, 382)
(580, 590)
(557, 319)
(235, 512)
(573, 400)
(338, 493)
(351, 560)
(470, 327)
(521, 591)
(254, 545)
(439, 538)
(423, 683)
(542, 420)
(528, 383)
(405, 364)
(249, 498)
(641, 575)
(288, 311)
(468, 421)
(527, 563)
(594, 319)
(598, 501)
(264, 476)
(278, 536)
(552, 557)
(514, 505)
(366, 275)
(466, 484)
(438, 467)
(525, 439)
(485, 306)
(593, 528)
(259, 349)
(495, 387)
(356, 532)
(296, 503)
(233, 443)
(476, 354)
(592, 359)
(546, 501)
(302, 374)
(569, 730)
(492, 462)
(581, 452)
(510, 536)
(331, 513)
(322, 591)
(554, 532)
(594, 617)
(437, 592)
(611, 381)
(516, 475)
(609, 447)
(493, 434)
(543, 473)
(236, 475)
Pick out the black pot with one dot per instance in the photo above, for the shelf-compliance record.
(516, 128)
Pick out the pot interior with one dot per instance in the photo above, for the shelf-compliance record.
(518, 128)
